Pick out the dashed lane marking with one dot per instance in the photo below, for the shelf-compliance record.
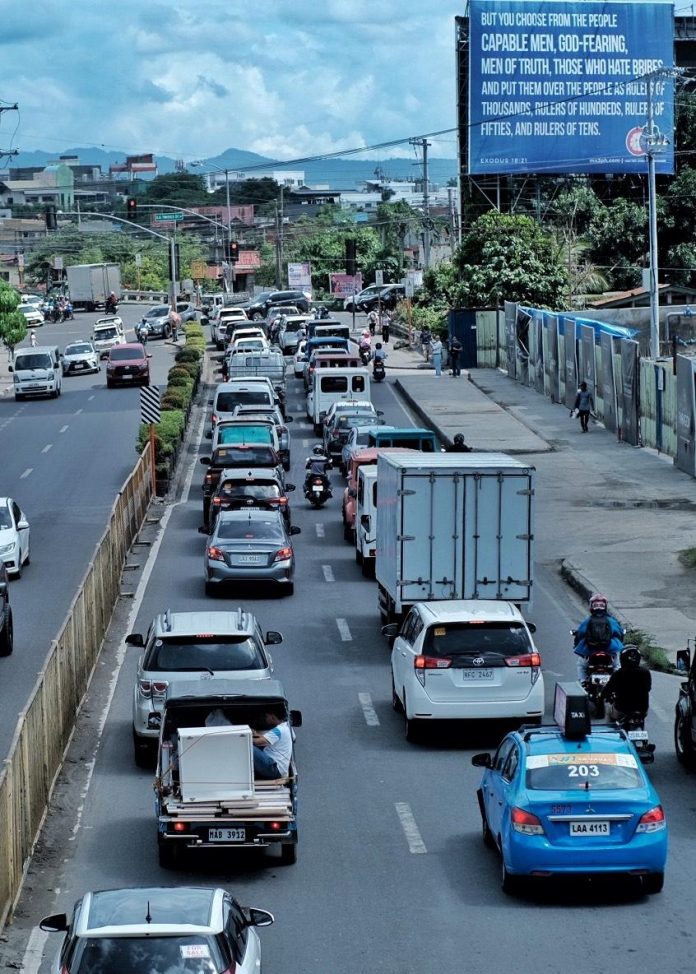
(343, 630)
(411, 830)
(328, 573)
(47, 448)
(371, 718)
(77, 412)
(63, 429)
(319, 528)
(26, 473)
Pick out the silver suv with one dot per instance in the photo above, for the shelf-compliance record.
(216, 645)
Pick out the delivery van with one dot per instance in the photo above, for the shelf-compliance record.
(36, 372)
(335, 385)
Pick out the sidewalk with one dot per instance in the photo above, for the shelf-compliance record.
(611, 517)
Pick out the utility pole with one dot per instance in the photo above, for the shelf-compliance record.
(279, 241)
(424, 145)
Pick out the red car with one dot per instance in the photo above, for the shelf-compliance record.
(128, 365)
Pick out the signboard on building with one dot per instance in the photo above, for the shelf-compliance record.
(556, 86)
(300, 277)
(343, 285)
(198, 269)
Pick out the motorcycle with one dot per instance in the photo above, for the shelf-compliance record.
(378, 371)
(634, 726)
(365, 354)
(600, 666)
(317, 490)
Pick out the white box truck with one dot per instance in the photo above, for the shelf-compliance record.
(453, 526)
(89, 285)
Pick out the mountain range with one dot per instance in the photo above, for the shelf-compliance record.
(335, 173)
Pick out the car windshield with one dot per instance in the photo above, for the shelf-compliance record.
(158, 312)
(251, 530)
(346, 420)
(192, 954)
(32, 360)
(226, 401)
(5, 519)
(250, 456)
(26, 307)
(204, 652)
(121, 354)
(476, 639)
(103, 333)
(582, 771)
(261, 489)
(80, 348)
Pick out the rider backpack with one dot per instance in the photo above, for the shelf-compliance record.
(599, 632)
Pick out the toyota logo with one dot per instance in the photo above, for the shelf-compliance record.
(479, 661)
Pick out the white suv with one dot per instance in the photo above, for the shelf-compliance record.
(465, 660)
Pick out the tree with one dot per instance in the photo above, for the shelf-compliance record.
(13, 324)
(617, 236)
(177, 189)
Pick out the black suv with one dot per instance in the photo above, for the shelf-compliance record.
(387, 298)
(6, 634)
(262, 304)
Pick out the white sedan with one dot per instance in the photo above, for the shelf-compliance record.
(80, 357)
(298, 359)
(14, 536)
(34, 317)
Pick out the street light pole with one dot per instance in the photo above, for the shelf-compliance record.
(200, 162)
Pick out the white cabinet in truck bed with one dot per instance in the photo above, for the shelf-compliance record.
(215, 763)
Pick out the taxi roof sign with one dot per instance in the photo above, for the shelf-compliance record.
(571, 710)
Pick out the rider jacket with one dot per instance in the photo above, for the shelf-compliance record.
(630, 689)
(317, 466)
(615, 645)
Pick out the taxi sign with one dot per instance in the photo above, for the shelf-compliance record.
(571, 710)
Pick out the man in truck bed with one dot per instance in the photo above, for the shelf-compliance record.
(272, 747)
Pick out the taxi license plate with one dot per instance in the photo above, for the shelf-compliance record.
(226, 835)
(638, 735)
(477, 675)
(317, 490)
(590, 828)
(249, 559)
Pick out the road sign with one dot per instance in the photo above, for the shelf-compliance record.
(172, 217)
(150, 404)
(379, 277)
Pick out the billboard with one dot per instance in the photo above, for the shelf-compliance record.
(300, 276)
(557, 86)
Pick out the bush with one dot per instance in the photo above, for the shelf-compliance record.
(177, 397)
(188, 355)
(168, 435)
(180, 379)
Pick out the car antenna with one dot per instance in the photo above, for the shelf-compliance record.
(148, 917)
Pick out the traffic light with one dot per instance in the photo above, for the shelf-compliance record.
(350, 257)
(51, 217)
(233, 251)
(132, 208)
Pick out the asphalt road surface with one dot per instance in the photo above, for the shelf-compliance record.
(392, 875)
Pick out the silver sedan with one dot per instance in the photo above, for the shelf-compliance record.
(80, 357)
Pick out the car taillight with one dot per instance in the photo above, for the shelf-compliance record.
(208, 478)
(525, 822)
(216, 501)
(652, 821)
(532, 659)
(215, 553)
(159, 687)
(318, 480)
(145, 687)
(423, 663)
(283, 554)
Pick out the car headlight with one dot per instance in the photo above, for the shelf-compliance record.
(7, 548)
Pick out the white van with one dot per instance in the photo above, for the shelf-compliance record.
(255, 392)
(366, 519)
(335, 385)
(36, 372)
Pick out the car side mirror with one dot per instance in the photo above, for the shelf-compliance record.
(289, 487)
(296, 718)
(531, 626)
(135, 639)
(22, 525)
(380, 412)
(295, 529)
(203, 530)
(56, 923)
(210, 402)
(260, 918)
(10, 368)
(482, 761)
(148, 355)
(206, 460)
(273, 637)
(391, 630)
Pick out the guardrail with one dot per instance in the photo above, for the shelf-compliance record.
(46, 724)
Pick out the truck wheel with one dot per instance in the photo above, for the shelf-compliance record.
(288, 854)
(168, 853)
(683, 745)
(368, 567)
(7, 635)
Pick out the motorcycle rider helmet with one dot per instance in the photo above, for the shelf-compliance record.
(459, 439)
(318, 451)
(630, 657)
(378, 345)
(598, 603)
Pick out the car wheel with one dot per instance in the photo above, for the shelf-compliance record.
(109, 384)
(288, 854)
(27, 560)
(683, 745)
(486, 833)
(18, 573)
(168, 853)
(653, 882)
(18, 398)
(510, 884)
(209, 589)
(289, 589)
(7, 635)
(411, 726)
(396, 703)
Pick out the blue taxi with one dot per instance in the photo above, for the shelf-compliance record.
(571, 799)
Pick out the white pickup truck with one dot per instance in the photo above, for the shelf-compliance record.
(206, 793)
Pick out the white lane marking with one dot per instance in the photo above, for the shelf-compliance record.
(343, 630)
(63, 429)
(319, 528)
(371, 718)
(90, 398)
(47, 448)
(26, 473)
(31, 962)
(328, 573)
(77, 412)
(411, 831)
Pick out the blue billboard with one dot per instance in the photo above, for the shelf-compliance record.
(558, 86)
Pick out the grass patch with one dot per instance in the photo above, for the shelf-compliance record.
(687, 557)
(655, 656)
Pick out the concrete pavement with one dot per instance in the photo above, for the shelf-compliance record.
(612, 517)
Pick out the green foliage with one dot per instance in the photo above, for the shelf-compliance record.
(617, 237)
(13, 324)
(176, 189)
(323, 244)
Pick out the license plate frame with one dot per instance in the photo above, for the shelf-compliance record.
(472, 675)
(249, 559)
(637, 735)
(227, 835)
(589, 828)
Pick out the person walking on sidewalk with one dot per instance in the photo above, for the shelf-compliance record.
(455, 352)
(386, 325)
(436, 350)
(425, 341)
(584, 404)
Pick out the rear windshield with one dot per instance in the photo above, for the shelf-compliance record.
(258, 488)
(78, 349)
(226, 401)
(471, 639)
(586, 772)
(246, 434)
(204, 653)
(248, 455)
(125, 354)
(255, 530)
(102, 333)
(35, 360)
(193, 954)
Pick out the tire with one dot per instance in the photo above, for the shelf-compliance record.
(510, 884)
(168, 853)
(7, 635)
(210, 589)
(368, 567)
(109, 384)
(289, 590)
(27, 560)
(683, 745)
(358, 556)
(288, 854)
(167, 332)
(486, 834)
(411, 726)
(18, 574)
(18, 397)
(653, 883)
(599, 708)
(396, 703)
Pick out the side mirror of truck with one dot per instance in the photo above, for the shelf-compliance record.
(531, 626)
(481, 761)
(296, 718)
(288, 419)
(289, 487)
(273, 637)
(135, 639)
(683, 660)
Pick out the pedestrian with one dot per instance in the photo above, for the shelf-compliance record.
(425, 341)
(175, 321)
(455, 352)
(386, 325)
(436, 349)
(584, 405)
(32, 338)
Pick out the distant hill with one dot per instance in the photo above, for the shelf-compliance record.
(334, 173)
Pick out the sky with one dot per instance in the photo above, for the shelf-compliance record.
(191, 78)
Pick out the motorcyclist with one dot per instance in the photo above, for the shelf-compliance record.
(141, 332)
(458, 445)
(599, 631)
(365, 347)
(629, 687)
(111, 304)
(317, 465)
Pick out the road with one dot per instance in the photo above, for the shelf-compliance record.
(392, 875)
(64, 460)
